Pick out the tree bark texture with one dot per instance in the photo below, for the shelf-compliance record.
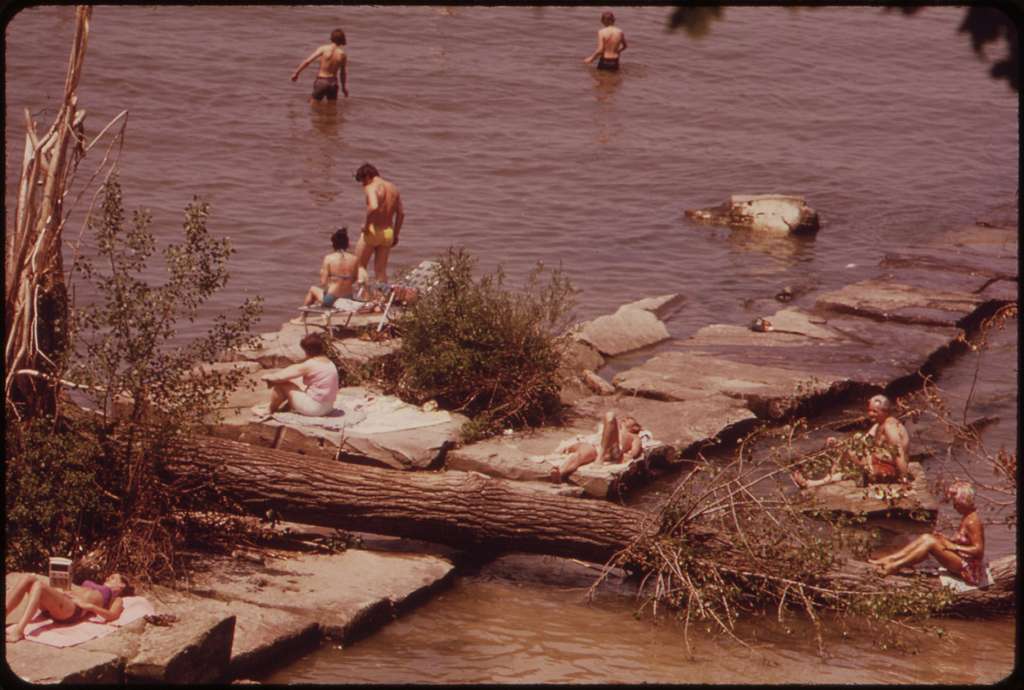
(465, 510)
(461, 509)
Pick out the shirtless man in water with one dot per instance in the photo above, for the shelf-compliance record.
(615, 440)
(887, 432)
(611, 41)
(333, 62)
(384, 217)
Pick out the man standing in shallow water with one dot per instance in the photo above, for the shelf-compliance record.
(333, 62)
(384, 217)
(611, 41)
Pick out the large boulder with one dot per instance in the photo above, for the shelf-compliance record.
(779, 214)
(631, 327)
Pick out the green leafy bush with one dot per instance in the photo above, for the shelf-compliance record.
(143, 390)
(54, 506)
(478, 348)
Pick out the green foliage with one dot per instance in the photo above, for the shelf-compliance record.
(54, 506)
(478, 348)
(146, 392)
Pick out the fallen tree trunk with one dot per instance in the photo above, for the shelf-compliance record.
(465, 510)
(461, 509)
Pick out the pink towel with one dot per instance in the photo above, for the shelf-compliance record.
(47, 632)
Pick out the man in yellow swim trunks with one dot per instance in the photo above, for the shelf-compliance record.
(384, 216)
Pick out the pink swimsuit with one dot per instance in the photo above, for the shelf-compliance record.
(322, 383)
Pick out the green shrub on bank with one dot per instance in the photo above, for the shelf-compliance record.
(483, 350)
(53, 506)
(143, 391)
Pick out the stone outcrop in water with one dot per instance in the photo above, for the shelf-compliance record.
(779, 214)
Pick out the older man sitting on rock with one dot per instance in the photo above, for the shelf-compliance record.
(881, 454)
(614, 441)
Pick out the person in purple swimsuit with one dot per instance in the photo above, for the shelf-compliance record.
(63, 606)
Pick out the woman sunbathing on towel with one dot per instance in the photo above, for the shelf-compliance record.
(614, 441)
(66, 607)
(338, 272)
(319, 376)
(962, 555)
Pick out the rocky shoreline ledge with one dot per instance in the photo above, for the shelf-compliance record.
(240, 615)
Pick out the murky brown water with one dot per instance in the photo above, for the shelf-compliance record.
(502, 142)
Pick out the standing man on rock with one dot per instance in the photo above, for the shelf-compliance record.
(333, 63)
(384, 217)
(611, 41)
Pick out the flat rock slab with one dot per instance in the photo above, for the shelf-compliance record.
(694, 375)
(629, 328)
(281, 348)
(346, 594)
(679, 425)
(262, 633)
(830, 347)
(874, 500)
(196, 649)
(903, 303)
(385, 432)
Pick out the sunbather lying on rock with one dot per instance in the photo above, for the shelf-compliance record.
(614, 441)
(319, 376)
(962, 556)
(66, 607)
(882, 457)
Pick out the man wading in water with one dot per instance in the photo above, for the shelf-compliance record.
(610, 44)
(333, 62)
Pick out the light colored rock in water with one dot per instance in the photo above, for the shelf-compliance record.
(195, 649)
(693, 375)
(625, 330)
(901, 303)
(780, 214)
(660, 305)
(873, 500)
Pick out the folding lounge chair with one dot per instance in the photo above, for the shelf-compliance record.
(341, 307)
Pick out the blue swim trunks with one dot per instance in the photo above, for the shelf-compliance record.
(328, 299)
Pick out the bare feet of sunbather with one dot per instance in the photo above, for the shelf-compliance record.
(798, 479)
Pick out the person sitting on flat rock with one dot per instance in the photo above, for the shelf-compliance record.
(885, 460)
(963, 555)
(614, 441)
(319, 376)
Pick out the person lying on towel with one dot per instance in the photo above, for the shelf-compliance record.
(66, 607)
(319, 376)
(614, 441)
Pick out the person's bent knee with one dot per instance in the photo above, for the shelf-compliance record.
(609, 416)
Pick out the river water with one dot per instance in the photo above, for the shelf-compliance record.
(502, 142)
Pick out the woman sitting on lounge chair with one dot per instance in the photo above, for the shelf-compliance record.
(614, 441)
(338, 273)
(66, 607)
(319, 376)
(963, 555)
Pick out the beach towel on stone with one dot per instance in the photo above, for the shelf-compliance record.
(45, 631)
